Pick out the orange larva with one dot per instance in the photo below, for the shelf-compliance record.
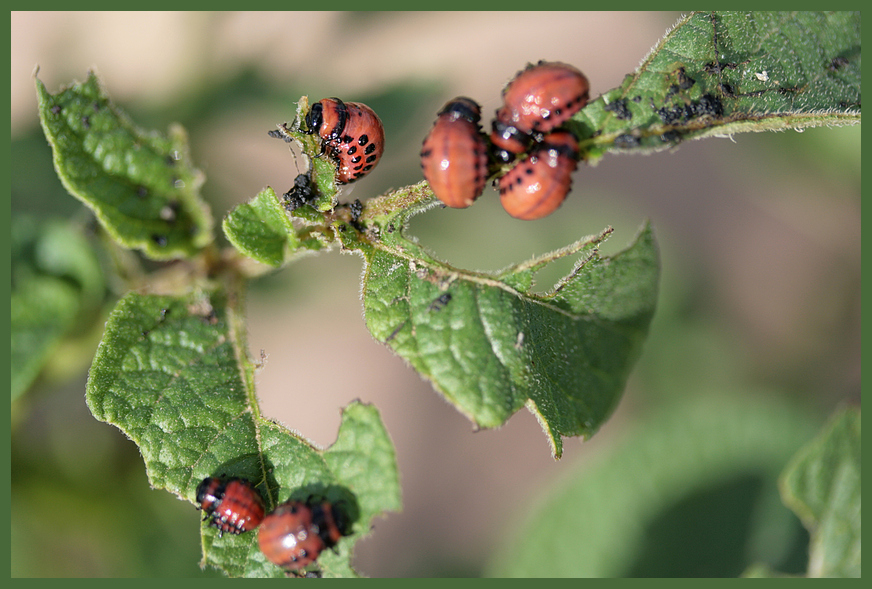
(543, 96)
(232, 504)
(353, 136)
(538, 184)
(295, 534)
(454, 154)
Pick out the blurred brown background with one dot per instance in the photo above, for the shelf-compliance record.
(760, 242)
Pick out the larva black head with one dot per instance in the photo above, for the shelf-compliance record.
(210, 490)
(329, 111)
(462, 107)
(314, 118)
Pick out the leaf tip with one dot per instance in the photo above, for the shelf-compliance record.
(555, 440)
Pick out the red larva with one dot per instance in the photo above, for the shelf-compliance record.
(538, 184)
(543, 96)
(232, 504)
(454, 154)
(295, 534)
(353, 136)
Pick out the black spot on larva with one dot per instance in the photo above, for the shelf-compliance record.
(371, 159)
(352, 150)
(160, 240)
(372, 147)
(363, 139)
(356, 160)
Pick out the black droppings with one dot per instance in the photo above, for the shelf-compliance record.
(356, 209)
(301, 194)
(619, 107)
(626, 141)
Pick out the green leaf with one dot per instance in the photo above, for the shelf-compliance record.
(488, 343)
(690, 491)
(822, 485)
(57, 283)
(261, 229)
(43, 309)
(141, 186)
(719, 73)
(173, 375)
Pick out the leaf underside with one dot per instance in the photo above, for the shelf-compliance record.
(720, 73)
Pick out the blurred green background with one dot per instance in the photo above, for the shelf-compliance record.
(756, 338)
